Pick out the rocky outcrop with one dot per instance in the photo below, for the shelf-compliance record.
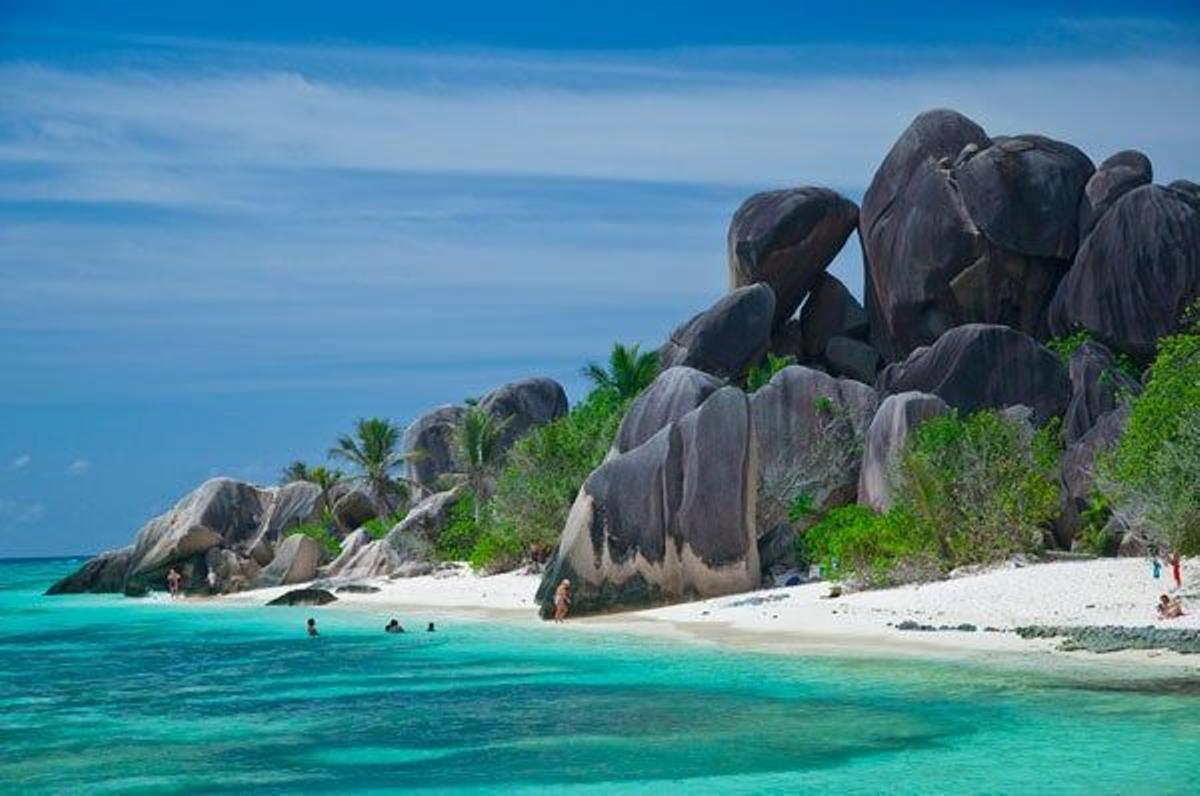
(294, 504)
(104, 573)
(896, 417)
(960, 228)
(355, 508)
(371, 560)
(1077, 474)
(982, 366)
(295, 561)
(726, 338)
(429, 442)
(673, 393)
(831, 310)
(787, 239)
(670, 520)
(853, 359)
(1116, 177)
(351, 545)
(428, 518)
(526, 404)
(808, 431)
(304, 597)
(1135, 273)
(1097, 384)
(231, 571)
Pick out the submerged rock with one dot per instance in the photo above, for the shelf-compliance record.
(304, 597)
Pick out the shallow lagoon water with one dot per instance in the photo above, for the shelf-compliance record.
(101, 694)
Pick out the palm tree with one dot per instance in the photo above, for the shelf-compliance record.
(629, 371)
(373, 451)
(296, 471)
(326, 479)
(477, 439)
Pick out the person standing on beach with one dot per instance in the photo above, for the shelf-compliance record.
(1177, 570)
(173, 578)
(562, 600)
(1155, 564)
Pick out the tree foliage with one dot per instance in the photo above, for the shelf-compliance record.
(373, 450)
(760, 375)
(629, 371)
(477, 451)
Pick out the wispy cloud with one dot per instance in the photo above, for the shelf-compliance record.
(79, 467)
(14, 513)
(21, 462)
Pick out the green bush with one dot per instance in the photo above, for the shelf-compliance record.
(319, 534)
(1066, 346)
(1151, 476)
(879, 548)
(457, 540)
(758, 376)
(546, 468)
(498, 548)
(379, 527)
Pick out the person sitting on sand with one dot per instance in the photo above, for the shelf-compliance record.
(312, 628)
(393, 627)
(1168, 608)
(173, 579)
(562, 600)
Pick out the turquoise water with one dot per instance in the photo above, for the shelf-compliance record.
(106, 695)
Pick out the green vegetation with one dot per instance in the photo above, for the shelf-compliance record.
(965, 491)
(629, 371)
(758, 376)
(320, 534)
(379, 527)
(457, 540)
(477, 451)
(1151, 477)
(373, 451)
(1066, 346)
(296, 471)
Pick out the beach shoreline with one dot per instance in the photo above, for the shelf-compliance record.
(802, 620)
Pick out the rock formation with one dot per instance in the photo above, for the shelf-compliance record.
(675, 392)
(786, 239)
(1117, 176)
(295, 561)
(1097, 384)
(726, 338)
(896, 417)
(1078, 475)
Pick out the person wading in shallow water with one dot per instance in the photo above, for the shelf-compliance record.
(173, 579)
(312, 628)
(562, 600)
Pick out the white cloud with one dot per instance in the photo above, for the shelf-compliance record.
(79, 467)
(21, 462)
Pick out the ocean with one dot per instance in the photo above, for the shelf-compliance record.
(100, 694)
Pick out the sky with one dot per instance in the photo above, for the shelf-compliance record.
(228, 230)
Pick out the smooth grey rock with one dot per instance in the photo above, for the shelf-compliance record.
(1134, 274)
(1077, 475)
(853, 359)
(984, 366)
(670, 520)
(104, 573)
(304, 597)
(430, 443)
(527, 403)
(351, 545)
(233, 572)
(428, 518)
(295, 561)
(830, 310)
(375, 559)
(1116, 177)
(786, 239)
(726, 338)
(673, 393)
(1096, 387)
(898, 415)
(355, 508)
(297, 503)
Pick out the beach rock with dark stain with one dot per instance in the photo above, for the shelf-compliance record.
(304, 597)
(830, 310)
(726, 338)
(1135, 273)
(295, 561)
(787, 239)
(673, 393)
(670, 520)
(1117, 176)
(984, 366)
(355, 508)
(896, 417)
(1097, 384)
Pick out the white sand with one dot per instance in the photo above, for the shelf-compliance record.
(800, 619)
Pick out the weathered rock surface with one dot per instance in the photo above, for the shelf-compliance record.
(831, 310)
(430, 441)
(351, 545)
(529, 403)
(295, 561)
(853, 359)
(372, 560)
(294, 504)
(1116, 177)
(1077, 475)
(429, 517)
(673, 393)
(304, 597)
(1115, 638)
(983, 366)
(808, 432)
(725, 338)
(233, 572)
(787, 239)
(1096, 384)
(355, 508)
(1135, 273)
(670, 520)
(104, 573)
(896, 417)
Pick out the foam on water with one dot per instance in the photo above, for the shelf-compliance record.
(102, 694)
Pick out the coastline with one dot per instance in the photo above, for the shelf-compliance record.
(800, 620)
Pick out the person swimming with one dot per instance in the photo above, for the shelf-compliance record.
(430, 628)
(312, 627)
(393, 627)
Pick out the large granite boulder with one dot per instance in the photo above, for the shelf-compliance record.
(831, 310)
(374, 559)
(673, 393)
(808, 431)
(429, 441)
(787, 239)
(984, 366)
(1077, 473)
(429, 517)
(896, 417)
(960, 228)
(1135, 273)
(527, 404)
(232, 572)
(308, 596)
(351, 545)
(297, 503)
(726, 338)
(295, 561)
(1116, 177)
(852, 359)
(670, 520)
(1023, 193)
(1097, 384)
(104, 573)
(355, 507)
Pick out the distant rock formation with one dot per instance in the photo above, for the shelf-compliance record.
(726, 338)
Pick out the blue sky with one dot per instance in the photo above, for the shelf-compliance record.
(226, 232)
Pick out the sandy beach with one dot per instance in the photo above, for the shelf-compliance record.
(802, 619)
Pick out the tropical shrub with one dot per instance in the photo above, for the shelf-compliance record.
(758, 376)
(320, 534)
(457, 540)
(379, 527)
(629, 371)
(1068, 345)
(878, 548)
(498, 548)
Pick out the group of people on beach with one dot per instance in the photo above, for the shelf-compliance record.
(393, 626)
(1168, 607)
